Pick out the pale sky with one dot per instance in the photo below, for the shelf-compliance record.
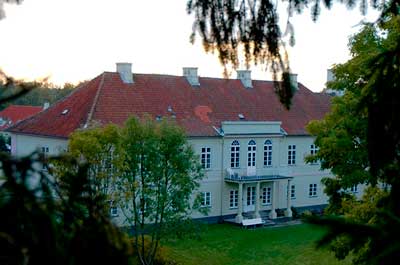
(75, 40)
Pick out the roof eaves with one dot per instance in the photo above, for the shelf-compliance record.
(39, 135)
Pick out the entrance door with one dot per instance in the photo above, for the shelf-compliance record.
(250, 199)
(251, 158)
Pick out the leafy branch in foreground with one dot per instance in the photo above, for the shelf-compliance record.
(360, 142)
(48, 223)
(250, 30)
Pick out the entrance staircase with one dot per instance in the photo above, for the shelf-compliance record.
(263, 214)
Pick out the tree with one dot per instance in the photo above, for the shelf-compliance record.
(359, 142)
(147, 168)
(250, 29)
(96, 147)
(47, 222)
(160, 174)
(38, 93)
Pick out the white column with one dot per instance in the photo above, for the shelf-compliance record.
(257, 210)
(288, 212)
(272, 214)
(239, 216)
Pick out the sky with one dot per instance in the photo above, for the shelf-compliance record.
(75, 40)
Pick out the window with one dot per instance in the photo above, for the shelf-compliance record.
(251, 195)
(292, 191)
(266, 195)
(45, 152)
(312, 192)
(354, 189)
(233, 199)
(292, 154)
(251, 154)
(206, 199)
(268, 153)
(113, 209)
(206, 157)
(313, 149)
(235, 150)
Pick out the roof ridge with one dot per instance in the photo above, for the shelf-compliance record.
(95, 100)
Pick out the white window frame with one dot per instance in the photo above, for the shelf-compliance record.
(233, 199)
(251, 153)
(45, 150)
(206, 157)
(267, 153)
(235, 154)
(266, 195)
(291, 154)
(313, 151)
(205, 199)
(312, 190)
(251, 195)
(292, 191)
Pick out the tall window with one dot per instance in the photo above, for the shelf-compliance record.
(251, 154)
(312, 191)
(267, 153)
(266, 195)
(206, 157)
(206, 199)
(233, 199)
(292, 154)
(45, 152)
(251, 195)
(354, 189)
(292, 191)
(235, 150)
(313, 151)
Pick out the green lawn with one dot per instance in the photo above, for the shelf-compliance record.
(228, 244)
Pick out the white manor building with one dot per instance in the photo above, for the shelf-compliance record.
(252, 149)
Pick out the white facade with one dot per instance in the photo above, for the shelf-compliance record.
(255, 176)
(245, 181)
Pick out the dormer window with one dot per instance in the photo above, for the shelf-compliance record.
(64, 112)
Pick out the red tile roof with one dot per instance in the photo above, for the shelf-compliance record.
(106, 99)
(15, 113)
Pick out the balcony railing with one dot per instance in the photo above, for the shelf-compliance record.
(236, 177)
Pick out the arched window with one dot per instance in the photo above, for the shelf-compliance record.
(267, 153)
(235, 150)
(251, 154)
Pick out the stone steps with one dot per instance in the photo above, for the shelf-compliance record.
(263, 214)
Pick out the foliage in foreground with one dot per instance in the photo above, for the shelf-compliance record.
(360, 142)
(45, 222)
(250, 31)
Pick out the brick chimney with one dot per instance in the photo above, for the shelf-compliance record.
(125, 72)
(191, 75)
(245, 77)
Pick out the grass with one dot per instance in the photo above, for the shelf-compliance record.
(228, 244)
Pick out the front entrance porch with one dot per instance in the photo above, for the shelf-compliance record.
(249, 197)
